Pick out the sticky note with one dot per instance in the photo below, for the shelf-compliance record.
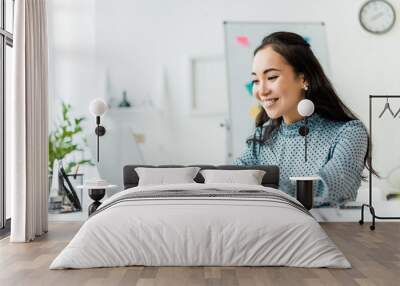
(249, 88)
(254, 110)
(139, 138)
(242, 40)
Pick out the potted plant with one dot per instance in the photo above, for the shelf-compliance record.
(63, 141)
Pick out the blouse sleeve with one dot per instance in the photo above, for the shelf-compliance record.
(248, 157)
(341, 175)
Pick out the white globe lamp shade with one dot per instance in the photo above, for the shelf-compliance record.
(98, 107)
(305, 107)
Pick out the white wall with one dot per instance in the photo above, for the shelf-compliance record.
(100, 48)
(71, 59)
(134, 39)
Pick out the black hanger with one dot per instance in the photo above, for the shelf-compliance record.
(398, 111)
(387, 106)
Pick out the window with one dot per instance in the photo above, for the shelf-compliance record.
(6, 44)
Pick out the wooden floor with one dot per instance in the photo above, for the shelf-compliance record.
(374, 255)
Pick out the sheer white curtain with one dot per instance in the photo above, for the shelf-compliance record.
(28, 122)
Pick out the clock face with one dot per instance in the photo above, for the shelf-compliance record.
(377, 16)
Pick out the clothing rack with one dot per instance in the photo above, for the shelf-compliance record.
(370, 206)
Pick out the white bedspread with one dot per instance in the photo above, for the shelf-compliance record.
(200, 231)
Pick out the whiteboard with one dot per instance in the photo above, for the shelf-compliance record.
(241, 39)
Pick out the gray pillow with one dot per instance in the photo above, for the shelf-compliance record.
(249, 177)
(164, 176)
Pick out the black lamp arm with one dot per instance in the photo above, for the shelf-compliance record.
(303, 131)
(100, 131)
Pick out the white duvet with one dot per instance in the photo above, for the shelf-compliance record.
(200, 231)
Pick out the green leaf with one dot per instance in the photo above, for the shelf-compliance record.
(63, 140)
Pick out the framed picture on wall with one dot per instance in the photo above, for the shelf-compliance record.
(206, 85)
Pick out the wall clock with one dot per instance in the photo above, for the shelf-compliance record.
(377, 16)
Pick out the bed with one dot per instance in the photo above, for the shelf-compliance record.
(201, 224)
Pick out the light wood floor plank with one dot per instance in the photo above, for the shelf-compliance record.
(374, 255)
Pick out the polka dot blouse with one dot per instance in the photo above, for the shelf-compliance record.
(335, 152)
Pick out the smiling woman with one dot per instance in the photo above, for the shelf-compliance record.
(285, 71)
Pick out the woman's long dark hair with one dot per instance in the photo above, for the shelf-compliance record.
(297, 53)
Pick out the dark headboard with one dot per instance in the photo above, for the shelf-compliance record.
(270, 179)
